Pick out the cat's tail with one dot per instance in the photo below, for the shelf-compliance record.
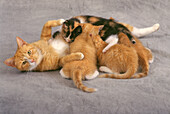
(47, 28)
(77, 78)
(145, 68)
(128, 74)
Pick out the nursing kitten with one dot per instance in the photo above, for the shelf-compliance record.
(120, 60)
(86, 68)
(112, 61)
(109, 31)
(122, 57)
(44, 54)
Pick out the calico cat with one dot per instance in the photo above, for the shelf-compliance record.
(86, 68)
(109, 31)
(44, 54)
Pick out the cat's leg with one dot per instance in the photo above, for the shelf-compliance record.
(105, 69)
(92, 76)
(71, 57)
(63, 74)
(111, 40)
(47, 28)
(140, 32)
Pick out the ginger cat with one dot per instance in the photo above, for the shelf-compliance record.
(86, 68)
(123, 57)
(44, 54)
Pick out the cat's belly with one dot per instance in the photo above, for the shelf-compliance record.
(60, 46)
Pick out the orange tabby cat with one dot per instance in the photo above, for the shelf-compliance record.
(123, 57)
(86, 68)
(44, 54)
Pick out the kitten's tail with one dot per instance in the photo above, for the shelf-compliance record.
(128, 74)
(77, 78)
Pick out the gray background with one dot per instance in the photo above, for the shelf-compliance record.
(49, 93)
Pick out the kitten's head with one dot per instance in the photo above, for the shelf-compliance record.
(26, 58)
(68, 27)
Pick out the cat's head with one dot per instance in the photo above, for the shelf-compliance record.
(26, 58)
(68, 27)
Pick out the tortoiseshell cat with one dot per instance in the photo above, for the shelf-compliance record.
(86, 68)
(44, 54)
(110, 30)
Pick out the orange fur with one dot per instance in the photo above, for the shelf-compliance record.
(119, 58)
(144, 54)
(78, 70)
(40, 55)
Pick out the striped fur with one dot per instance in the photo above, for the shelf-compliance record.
(143, 55)
(80, 70)
(42, 55)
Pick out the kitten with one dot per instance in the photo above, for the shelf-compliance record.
(109, 31)
(117, 59)
(44, 54)
(86, 68)
(122, 57)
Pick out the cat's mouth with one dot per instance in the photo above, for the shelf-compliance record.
(33, 65)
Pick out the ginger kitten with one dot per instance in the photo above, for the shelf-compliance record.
(44, 54)
(86, 68)
(123, 57)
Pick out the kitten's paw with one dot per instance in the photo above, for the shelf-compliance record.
(63, 75)
(105, 69)
(104, 50)
(92, 76)
(151, 61)
(156, 26)
(81, 55)
(62, 21)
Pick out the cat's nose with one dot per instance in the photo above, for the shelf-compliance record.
(32, 60)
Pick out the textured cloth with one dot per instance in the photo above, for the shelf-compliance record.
(49, 93)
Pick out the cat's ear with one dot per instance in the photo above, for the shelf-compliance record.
(20, 42)
(76, 24)
(10, 62)
(100, 27)
(65, 24)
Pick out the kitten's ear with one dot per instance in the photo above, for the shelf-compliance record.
(76, 24)
(65, 24)
(10, 62)
(20, 42)
(100, 27)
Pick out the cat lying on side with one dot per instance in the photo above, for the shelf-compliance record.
(110, 30)
(45, 54)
